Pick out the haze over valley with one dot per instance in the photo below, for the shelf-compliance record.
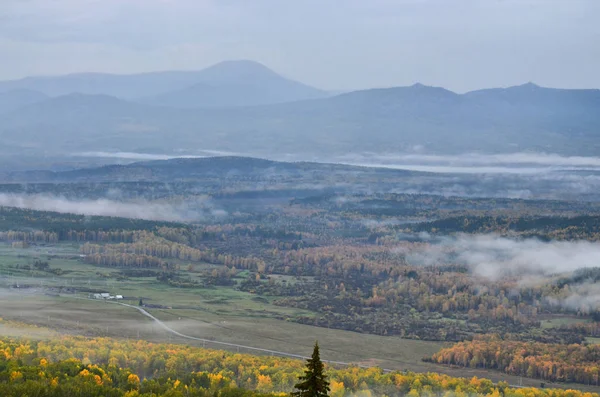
(244, 107)
(299, 199)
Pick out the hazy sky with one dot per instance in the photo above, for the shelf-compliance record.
(332, 44)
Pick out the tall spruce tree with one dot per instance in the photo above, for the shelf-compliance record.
(314, 382)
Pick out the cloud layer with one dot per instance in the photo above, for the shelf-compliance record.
(159, 211)
(477, 163)
(493, 256)
(135, 156)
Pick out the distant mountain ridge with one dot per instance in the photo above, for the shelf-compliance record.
(397, 119)
(228, 83)
(122, 86)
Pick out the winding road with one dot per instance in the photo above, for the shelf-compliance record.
(235, 345)
(238, 346)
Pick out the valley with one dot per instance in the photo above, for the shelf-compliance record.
(378, 278)
(203, 198)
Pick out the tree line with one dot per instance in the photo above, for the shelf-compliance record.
(553, 362)
(77, 366)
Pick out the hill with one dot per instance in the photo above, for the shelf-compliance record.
(193, 169)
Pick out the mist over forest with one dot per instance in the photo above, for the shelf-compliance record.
(259, 199)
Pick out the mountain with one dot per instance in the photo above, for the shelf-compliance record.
(16, 99)
(228, 83)
(242, 72)
(522, 118)
(236, 83)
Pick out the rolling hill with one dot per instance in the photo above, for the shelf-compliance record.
(193, 169)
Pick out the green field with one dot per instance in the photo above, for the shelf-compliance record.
(558, 321)
(81, 276)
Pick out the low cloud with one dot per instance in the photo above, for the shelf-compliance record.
(184, 211)
(476, 163)
(448, 169)
(584, 297)
(375, 223)
(534, 262)
(135, 156)
(493, 256)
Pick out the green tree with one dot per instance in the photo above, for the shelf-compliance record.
(314, 382)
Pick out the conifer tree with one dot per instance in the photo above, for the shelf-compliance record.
(314, 382)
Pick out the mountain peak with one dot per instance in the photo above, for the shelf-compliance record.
(240, 63)
(528, 86)
(423, 89)
(226, 71)
(236, 83)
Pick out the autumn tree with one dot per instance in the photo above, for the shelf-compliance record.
(314, 382)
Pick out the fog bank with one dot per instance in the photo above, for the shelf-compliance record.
(493, 256)
(135, 156)
(139, 209)
(475, 163)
